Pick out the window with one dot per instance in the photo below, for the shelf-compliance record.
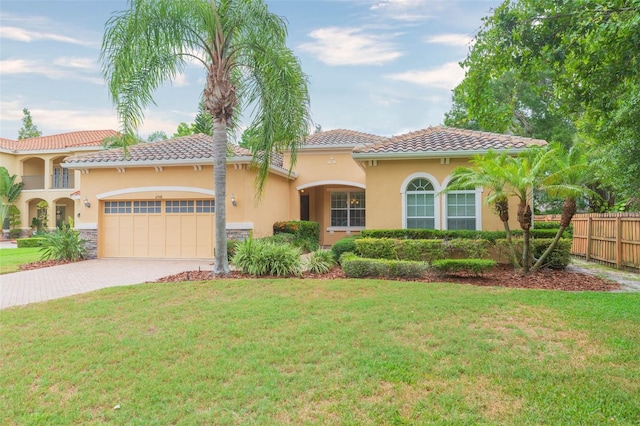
(461, 209)
(117, 207)
(348, 209)
(420, 204)
(205, 206)
(147, 207)
(183, 206)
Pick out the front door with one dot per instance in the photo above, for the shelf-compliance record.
(60, 216)
(304, 207)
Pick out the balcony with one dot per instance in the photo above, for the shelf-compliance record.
(33, 182)
(62, 181)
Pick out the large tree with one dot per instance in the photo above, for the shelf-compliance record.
(28, 129)
(555, 67)
(242, 47)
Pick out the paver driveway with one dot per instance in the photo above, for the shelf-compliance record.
(21, 288)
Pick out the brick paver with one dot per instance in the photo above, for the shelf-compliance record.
(21, 288)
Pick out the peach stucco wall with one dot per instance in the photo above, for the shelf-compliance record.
(384, 199)
(240, 180)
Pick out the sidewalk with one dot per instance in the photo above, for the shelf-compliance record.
(630, 281)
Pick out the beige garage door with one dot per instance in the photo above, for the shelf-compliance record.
(166, 228)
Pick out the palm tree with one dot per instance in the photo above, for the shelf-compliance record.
(9, 192)
(242, 47)
(571, 178)
(487, 172)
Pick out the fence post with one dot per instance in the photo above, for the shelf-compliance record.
(618, 242)
(589, 238)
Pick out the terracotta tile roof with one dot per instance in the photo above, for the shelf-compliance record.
(441, 139)
(340, 137)
(190, 147)
(85, 138)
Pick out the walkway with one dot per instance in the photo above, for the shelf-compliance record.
(21, 288)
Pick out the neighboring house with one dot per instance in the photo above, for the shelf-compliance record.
(157, 200)
(37, 163)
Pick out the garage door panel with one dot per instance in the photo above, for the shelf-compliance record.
(205, 239)
(157, 236)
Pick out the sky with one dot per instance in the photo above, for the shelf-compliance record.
(384, 67)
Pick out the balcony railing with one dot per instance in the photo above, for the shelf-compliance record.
(63, 181)
(33, 182)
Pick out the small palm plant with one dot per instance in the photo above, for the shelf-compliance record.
(63, 244)
(320, 261)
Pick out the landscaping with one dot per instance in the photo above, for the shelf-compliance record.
(344, 351)
(12, 258)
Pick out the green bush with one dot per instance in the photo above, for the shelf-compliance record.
(30, 242)
(420, 250)
(262, 257)
(358, 267)
(63, 244)
(475, 249)
(15, 233)
(545, 233)
(377, 248)
(231, 247)
(344, 245)
(451, 266)
(555, 226)
(320, 261)
(559, 258)
(432, 234)
(303, 229)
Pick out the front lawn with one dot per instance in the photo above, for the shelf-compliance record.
(294, 351)
(12, 258)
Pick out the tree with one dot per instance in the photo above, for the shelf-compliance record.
(28, 130)
(249, 138)
(9, 192)
(203, 122)
(158, 135)
(556, 68)
(243, 49)
(183, 129)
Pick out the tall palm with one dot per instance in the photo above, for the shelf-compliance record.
(9, 192)
(243, 49)
(570, 178)
(524, 174)
(487, 172)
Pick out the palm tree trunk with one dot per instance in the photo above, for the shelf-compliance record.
(221, 262)
(502, 209)
(524, 218)
(568, 211)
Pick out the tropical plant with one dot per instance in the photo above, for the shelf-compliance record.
(42, 211)
(263, 257)
(63, 244)
(9, 192)
(320, 261)
(156, 136)
(243, 49)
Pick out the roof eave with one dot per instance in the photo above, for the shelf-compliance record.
(427, 154)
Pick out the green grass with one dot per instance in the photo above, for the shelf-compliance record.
(322, 352)
(12, 258)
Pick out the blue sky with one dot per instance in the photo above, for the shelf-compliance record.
(378, 66)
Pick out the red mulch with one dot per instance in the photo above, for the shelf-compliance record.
(502, 276)
(42, 264)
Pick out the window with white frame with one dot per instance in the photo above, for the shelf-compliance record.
(348, 209)
(420, 205)
(461, 209)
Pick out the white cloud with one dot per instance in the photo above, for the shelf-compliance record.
(403, 10)
(350, 46)
(446, 76)
(75, 62)
(180, 80)
(450, 40)
(24, 66)
(28, 36)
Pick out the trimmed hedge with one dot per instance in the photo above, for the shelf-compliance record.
(451, 266)
(559, 258)
(301, 228)
(345, 245)
(419, 250)
(433, 234)
(553, 225)
(31, 242)
(358, 267)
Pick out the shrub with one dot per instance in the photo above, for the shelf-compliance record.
(358, 267)
(544, 233)
(63, 244)
(559, 258)
(474, 249)
(263, 257)
(30, 242)
(451, 266)
(344, 245)
(555, 226)
(15, 233)
(303, 229)
(420, 250)
(377, 248)
(320, 261)
(231, 247)
(431, 234)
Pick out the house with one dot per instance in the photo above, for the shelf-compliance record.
(157, 199)
(38, 164)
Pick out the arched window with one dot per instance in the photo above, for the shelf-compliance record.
(462, 209)
(420, 205)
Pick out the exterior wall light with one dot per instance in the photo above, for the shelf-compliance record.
(86, 202)
(233, 200)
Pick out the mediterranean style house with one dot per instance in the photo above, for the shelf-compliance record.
(38, 164)
(157, 199)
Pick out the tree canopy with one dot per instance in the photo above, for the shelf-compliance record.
(28, 129)
(554, 69)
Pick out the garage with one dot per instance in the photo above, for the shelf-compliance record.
(157, 228)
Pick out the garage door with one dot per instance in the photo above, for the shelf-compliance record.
(153, 228)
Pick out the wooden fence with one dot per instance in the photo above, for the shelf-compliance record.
(609, 238)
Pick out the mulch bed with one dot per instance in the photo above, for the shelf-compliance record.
(502, 276)
(43, 264)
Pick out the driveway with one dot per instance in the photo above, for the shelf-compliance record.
(21, 288)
